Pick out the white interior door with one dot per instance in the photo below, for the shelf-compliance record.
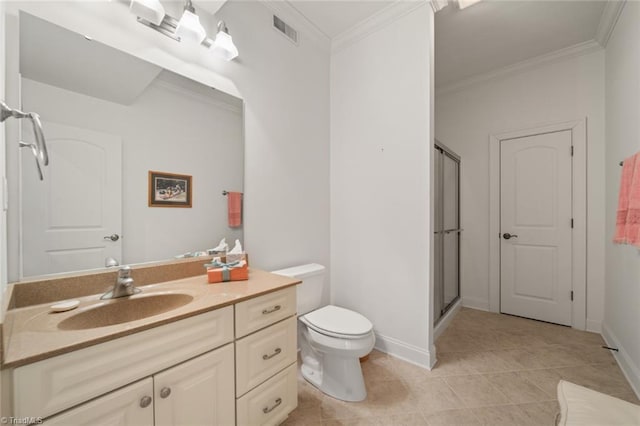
(66, 217)
(535, 216)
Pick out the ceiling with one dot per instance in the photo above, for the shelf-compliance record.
(56, 56)
(493, 34)
(485, 37)
(334, 17)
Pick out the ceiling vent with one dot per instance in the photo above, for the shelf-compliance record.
(285, 29)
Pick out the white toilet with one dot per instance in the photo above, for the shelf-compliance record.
(331, 339)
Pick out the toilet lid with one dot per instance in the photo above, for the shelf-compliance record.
(336, 320)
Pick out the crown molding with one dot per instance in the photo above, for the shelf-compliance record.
(384, 17)
(608, 20)
(438, 5)
(548, 58)
(298, 21)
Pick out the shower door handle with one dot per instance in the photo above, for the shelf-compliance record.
(448, 231)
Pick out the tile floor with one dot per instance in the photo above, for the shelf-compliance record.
(492, 370)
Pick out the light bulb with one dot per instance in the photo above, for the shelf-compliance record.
(223, 46)
(189, 28)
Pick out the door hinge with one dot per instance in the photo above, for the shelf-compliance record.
(572, 150)
(571, 223)
(572, 295)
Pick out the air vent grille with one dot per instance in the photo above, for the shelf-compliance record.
(285, 29)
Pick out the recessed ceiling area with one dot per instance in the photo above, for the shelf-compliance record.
(53, 55)
(482, 38)
(493, 34)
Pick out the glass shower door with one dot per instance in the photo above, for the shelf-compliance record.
(447, 229)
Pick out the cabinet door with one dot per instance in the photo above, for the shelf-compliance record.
(129, 406)
(197, 392)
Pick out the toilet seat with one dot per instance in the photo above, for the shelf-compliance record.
(338, 322)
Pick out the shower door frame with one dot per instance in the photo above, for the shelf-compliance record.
(440, 197)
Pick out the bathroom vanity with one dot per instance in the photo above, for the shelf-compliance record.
(226, 356)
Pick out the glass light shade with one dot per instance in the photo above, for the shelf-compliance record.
(189, 29)
(151, 10)
(463, 4)
(223, 46)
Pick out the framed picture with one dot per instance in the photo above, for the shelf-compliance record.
(169, 190)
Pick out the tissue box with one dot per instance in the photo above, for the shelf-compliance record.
(224, 273)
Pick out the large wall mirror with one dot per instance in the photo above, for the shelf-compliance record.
(110, 118)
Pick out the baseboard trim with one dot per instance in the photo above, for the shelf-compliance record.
(629, 369)
(446, 319)
(594, 326)
(405, 351)
(472, 302)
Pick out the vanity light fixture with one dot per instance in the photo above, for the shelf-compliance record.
(188, 29)
(462, 4)
(223, 44)
(150, 10)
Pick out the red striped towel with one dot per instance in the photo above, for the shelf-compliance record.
(234, 208)
(632, 228)
(623, 200)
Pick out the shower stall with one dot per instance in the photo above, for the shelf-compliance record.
(447, 232)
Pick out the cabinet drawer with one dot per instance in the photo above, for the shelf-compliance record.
(263, 354)
(260, 312)
(271, 402)
(49, 386)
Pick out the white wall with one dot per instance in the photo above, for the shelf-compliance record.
(622, 292)
(151, 140)
(286, 121)
(3, 214)
(562, 91)
(380, 182)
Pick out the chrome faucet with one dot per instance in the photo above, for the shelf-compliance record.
(123, 286)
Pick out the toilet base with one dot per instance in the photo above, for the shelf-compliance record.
(340, 377)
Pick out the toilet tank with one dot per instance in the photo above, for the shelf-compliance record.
(309, 293)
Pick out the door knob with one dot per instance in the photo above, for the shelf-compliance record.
(112, 237)
(508, 236)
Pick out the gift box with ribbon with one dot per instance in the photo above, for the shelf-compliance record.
(218, 271)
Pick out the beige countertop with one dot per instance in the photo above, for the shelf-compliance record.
(32, 332)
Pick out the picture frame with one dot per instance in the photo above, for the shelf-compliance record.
(169, 190)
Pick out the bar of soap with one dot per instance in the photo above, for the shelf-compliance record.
(67, 305)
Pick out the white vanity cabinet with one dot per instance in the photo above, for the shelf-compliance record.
(50, 386)
(266, 355)
(232, 365)
(195, 392)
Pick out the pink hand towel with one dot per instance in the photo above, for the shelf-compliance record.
(623, 200)
(234, 208)
(632, 229)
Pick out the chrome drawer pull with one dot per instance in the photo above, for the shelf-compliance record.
(268, 311)
(268, 410)
(145, 401)
(276, 352)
